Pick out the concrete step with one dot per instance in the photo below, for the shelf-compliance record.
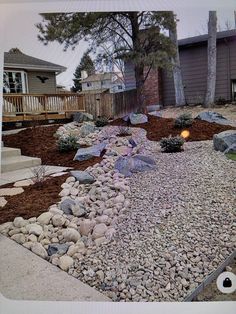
(19, 162)
(7, 152)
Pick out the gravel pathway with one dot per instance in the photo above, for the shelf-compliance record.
(178, 229)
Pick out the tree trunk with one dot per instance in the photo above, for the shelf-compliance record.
(211, 56)
(177, 75)
(139, 66)
(139, 77)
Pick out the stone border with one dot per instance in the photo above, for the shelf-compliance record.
(192, 296)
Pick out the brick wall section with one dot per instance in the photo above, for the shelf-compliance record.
(152, 88)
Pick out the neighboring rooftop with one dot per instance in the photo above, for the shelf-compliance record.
(204, 38)
(98, 77)
(16, 59)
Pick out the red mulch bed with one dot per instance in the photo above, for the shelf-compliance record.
(35, 200)
(40, 142)
(157, 128)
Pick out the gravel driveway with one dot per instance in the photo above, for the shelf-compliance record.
(179, 228)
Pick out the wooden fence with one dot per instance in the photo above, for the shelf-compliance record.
(17, 107)
(111, 105)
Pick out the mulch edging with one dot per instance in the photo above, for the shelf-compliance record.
(157, 128)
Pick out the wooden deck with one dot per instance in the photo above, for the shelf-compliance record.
(26, 107)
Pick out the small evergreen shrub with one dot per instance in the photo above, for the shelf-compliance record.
(221, 101)
(101, 121)
(183, 121)
(172, 144)
(69, 143)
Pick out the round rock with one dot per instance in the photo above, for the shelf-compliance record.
(65, 262)
(71, 235)
(34, 229)
(44, 218)
(99, 231)
(19, 222)
(58, 220)
(38, 249)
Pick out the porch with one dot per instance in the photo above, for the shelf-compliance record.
(27, 107)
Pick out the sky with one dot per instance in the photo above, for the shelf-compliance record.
(19, 19)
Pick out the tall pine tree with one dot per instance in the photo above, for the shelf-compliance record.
(139, 37)
(86, 64)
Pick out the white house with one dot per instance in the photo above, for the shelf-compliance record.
(101, 82)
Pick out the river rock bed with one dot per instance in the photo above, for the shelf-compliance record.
(152, 237)
(179, 228)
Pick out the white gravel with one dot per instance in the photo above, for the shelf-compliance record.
(178, 229)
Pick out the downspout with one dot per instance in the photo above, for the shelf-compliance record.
(2, 24)
(229, 87)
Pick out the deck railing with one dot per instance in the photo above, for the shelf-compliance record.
(24, 106)
(20, 107)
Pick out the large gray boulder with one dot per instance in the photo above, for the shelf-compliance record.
(82, 116)
(83, 177)
(137, 163)
(138, 118)
(211, 116)
(87, 153)
(86, 129)
(231, 149)
(224, 140)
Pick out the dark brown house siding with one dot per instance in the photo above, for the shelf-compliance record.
(193, 60)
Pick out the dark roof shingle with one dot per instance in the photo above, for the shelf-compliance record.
(203, 38)
(20, 59)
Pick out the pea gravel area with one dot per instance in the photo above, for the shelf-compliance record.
(179, 228)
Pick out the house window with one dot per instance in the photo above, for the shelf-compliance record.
(234, 90)
(120, 87)
(14, 82)
(89, 84)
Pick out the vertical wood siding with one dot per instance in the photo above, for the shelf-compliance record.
(193, 61)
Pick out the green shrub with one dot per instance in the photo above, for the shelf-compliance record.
(183, 121)
(221, 101)
(68, 143)
(101, 121)
(172, 144)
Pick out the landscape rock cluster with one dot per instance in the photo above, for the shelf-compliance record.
(85, 132)
(225, 141)
(211, 116)
(151, 237)
(91, 201)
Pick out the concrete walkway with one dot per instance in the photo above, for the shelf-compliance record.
(26, 276)
(22, 174)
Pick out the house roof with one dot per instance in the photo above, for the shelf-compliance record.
(23, 61)
(204, 38)
(98, 77)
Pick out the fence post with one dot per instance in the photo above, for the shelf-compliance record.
(98, 102)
